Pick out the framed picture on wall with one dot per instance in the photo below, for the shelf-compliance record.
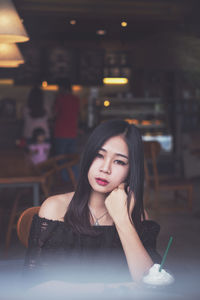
(7, 109)
(59, 62)
(91, 67)
(29, 72)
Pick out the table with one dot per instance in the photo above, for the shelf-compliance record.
(184, 288)
(16, 171)
(23, 182)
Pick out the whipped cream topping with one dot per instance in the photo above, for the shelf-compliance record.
(158, 278)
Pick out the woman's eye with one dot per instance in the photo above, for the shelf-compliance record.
(120, 162)
(99, 155)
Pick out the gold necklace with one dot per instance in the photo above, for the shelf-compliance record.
(96, 223)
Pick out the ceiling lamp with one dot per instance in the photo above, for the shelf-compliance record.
(72, 22)
(115, 80)
(106, 103)
(6, 81)
(124, 24)
(10, 56)
(101, 32)
(11, 27)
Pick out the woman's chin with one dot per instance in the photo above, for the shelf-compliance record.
(102, 190)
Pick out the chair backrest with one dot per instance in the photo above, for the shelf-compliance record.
(151, 151)
(45, 166)
(67, 161)
(24, 224)
(46, 170)
(66, 157)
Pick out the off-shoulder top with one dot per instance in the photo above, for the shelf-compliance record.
(53, 244)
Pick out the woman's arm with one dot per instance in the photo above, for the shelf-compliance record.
(139, 261)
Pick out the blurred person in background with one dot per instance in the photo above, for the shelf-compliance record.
(38, 148)
(35, 114)
(66, 110)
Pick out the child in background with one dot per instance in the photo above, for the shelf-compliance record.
(38, 148)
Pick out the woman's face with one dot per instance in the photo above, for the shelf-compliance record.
(40, 138)
(110, 167)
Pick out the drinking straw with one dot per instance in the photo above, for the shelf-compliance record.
(165, 254)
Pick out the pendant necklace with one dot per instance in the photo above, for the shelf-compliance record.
(96, 220)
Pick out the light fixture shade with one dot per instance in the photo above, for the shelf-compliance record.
(11, 27)
(10, 56)
(115, 80)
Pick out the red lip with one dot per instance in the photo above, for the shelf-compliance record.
(101, 181)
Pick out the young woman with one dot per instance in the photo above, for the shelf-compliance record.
(102, 224)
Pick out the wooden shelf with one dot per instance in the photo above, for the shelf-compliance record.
(128, 112)
(132, 100)
(148, 114)
(153, 126)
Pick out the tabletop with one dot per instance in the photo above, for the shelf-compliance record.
(17, 171)
(11, 274)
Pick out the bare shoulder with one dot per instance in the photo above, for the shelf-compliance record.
(55, 207)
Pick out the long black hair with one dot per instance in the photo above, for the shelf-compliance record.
(36, 103)
(77, 214)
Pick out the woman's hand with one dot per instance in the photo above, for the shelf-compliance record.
(116, 204)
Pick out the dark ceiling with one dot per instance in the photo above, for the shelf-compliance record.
(50, 19)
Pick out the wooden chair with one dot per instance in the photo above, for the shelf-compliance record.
(44, 172)
(67, 161)
(24, 224)
(53, 166)
(159, 183)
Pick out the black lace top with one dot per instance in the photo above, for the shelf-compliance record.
(53, 244)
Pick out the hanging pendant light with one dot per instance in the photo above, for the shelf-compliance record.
(10, 56)
(11, 27)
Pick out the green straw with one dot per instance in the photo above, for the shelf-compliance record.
(165, 254)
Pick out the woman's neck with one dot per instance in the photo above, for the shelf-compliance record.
(98, 209)
(97, 200)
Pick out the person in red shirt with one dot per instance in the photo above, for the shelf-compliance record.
(66, 120)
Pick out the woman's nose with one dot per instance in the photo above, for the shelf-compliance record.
(106, 167)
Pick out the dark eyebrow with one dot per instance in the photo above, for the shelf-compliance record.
(118, 154)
